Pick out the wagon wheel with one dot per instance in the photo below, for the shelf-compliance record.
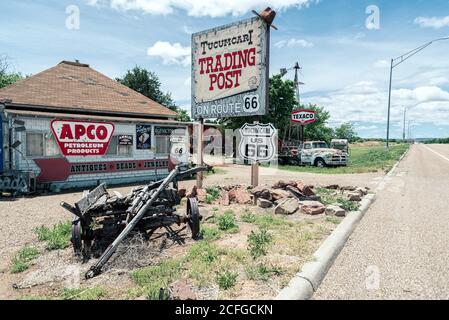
(77, 236)
(193, 214)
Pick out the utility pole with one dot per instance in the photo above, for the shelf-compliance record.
(403, 132)
(397, 61)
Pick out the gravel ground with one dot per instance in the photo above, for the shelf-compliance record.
(21, 216)
(400, 248)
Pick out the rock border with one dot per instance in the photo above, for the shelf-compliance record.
(305, 283)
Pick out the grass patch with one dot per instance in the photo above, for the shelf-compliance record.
(363, 158)
(153, 278)
(210, 233)
(334, 220)
(20, 262)
(58, 237)
(212, 194)
(226, 279)
(203, 251)
(270, 221)
(94, 293)
(262, 272)
(227, 222)
(248, 217)
(258, 243)
(348, 205)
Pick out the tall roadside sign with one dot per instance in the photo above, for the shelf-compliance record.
(230, 72)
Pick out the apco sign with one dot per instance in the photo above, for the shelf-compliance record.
(82, 138)
(229, 70)
(303, 116)
(257, 142)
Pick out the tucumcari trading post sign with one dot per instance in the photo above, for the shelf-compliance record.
(229, 70)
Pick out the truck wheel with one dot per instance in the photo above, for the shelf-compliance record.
(320, 163)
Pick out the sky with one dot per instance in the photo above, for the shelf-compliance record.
(343, 46)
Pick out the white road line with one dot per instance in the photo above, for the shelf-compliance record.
(438, 154)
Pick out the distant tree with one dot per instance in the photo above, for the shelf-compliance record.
(282, 103)
(319, 129)
(346, 131)
(147, 83)
(6, 77)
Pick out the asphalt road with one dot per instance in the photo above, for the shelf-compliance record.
(400, 250)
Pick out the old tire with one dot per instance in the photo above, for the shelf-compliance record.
(77, 237)
(193, 215)
(320, 163)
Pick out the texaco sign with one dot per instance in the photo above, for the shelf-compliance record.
(303, 116)
(229, 66)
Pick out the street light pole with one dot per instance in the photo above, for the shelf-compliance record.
(389, 104)
(403, 129)
(394, 63)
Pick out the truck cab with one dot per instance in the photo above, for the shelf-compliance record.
(317, 153)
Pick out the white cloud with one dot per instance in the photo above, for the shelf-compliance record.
(432, 22)
(366, 102)
(198, 8)
(293, 43)
(170, 53)
(381, 64)
(188, 81)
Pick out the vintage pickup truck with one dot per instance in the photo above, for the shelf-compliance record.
(317, 153)
(314, 153)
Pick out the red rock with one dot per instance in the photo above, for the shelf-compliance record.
(262, 192)
(282, 184)
(240, 196)
(278, 194)
(306, 190)
(312, 207)
(287, 207)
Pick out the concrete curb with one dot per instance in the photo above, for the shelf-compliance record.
(305, 283)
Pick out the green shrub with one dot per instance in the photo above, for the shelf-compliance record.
(262, 272)
(210, 233)
(348, 205)
(153, 278)
(58, 237)
(20, 261)
(203, 251)
(248, 217)
(226, 279)
(227, 222)
(212, 194)
(258, 243)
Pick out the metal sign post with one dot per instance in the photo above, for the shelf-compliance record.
(230, 73)
(200, 144)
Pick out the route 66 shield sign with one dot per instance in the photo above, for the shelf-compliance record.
(257, 142)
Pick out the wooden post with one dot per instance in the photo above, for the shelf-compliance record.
(200, 144)
(255, 170)
(254, 174)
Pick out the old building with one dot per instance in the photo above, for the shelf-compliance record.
(57, 124)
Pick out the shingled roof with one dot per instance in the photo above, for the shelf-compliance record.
(75, 87)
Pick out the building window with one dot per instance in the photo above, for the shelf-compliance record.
(162, 144)
(115, 149)
(35, 144)
(41, 145)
